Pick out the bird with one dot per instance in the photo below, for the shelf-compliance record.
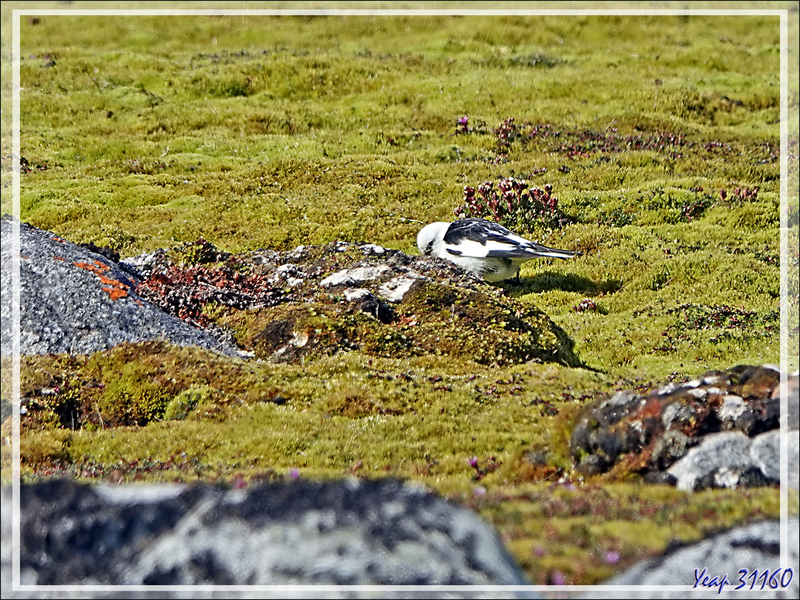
(485, 248)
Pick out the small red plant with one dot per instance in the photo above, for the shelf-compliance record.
(513, 204)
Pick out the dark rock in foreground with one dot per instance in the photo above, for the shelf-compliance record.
(721, 430)
(339, 533)
(307, 533)
(76, 301)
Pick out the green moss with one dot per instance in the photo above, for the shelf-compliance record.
(48, 450)
(187, 401)
(576, 531)
(132, 397)
(433, 318)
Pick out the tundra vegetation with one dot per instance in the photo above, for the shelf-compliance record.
(650, 144)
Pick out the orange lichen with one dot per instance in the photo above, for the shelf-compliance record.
(84, 265)
(115, 289)
(651, 408)
(115, 292)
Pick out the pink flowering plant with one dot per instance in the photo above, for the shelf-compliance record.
(513, 204)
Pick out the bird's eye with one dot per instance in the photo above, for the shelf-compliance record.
(429, 248)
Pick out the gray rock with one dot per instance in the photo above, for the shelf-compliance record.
(793, 458)
(732, 408)
(753, 546)
(412, 294)
(765, 454)
(718, 453)
(289, 274)
(372, 249)
(396, 289)
(348, 532)
(730, 459)
(75, 301)
(357, 294)
(354, 275)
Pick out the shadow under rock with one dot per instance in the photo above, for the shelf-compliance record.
(551, 280)
(567, 352)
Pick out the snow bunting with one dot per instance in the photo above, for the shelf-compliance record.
(483, 247)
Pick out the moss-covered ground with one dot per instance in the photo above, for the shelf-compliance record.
(658, 134)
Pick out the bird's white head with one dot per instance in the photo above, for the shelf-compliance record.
(429, 235)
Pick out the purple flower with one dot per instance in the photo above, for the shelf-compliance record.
(557, 578)
(463, 120)
(294, 473)
(612, 557)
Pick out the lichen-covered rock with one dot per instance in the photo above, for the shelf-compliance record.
(716, 431)
(76, 301)
(347, 532)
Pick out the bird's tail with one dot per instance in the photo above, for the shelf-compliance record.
(553, 253)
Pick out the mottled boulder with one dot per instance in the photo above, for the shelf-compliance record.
(720, 430)
(717, 558)
(74, 300)
(336, 533)
(321, 300)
